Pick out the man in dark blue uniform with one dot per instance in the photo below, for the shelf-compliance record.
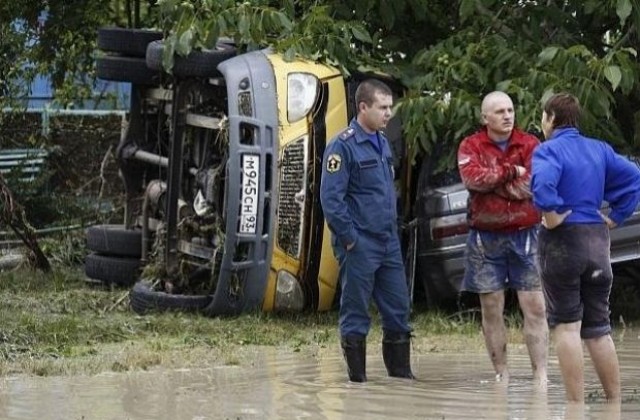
(359, 202)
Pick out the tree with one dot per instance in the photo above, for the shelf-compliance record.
(447, 53)
(58, 39)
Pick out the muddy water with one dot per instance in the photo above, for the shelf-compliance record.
(275, 383)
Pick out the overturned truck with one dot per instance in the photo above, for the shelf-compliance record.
(221, 163)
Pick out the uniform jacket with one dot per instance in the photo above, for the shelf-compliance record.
(499, 200)
(573, 172)
(357, 190)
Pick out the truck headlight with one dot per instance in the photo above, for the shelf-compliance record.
(302, 90)
(289, 294)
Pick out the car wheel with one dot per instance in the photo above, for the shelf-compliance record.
(112, 270)
(126, 69)
(126, 41)
(202, 63)
(143, 299)
(114, 240)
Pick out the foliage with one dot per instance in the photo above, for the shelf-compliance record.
(65, 248)
(448, 54)
(529, 51)
(78, 181)
(57, 38)
(449, 57)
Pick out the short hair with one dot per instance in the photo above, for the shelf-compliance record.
(565, 110)
(367, 90)
(491, 97)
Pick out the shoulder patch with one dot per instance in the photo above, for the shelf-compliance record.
(334, 163)
(347, 133)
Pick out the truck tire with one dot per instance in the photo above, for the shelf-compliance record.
(202, 63)
(143, 299)
(126, 69)
(126, 41)
(112, 270)
(114, 240)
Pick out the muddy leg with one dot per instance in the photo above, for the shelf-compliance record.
(571, 359)
(536, 332)
(494, 330)
(605, 360)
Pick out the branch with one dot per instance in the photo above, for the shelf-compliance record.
(13, 215)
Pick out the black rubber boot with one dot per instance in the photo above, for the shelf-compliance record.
(396, 353)
(354, 348)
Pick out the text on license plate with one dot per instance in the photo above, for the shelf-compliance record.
(249, 195)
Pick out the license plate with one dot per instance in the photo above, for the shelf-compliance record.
(249, 195)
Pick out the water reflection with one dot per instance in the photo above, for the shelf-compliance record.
(274, 383)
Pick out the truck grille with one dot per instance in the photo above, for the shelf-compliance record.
(293, 180)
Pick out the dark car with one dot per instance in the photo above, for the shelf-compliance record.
(441, 211)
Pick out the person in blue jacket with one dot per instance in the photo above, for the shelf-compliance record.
(359, 202)
(572, 175)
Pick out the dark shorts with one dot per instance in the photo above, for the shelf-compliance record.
(496, 261)
(577, 277)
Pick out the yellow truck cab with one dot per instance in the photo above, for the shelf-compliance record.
(315, 103)
(312, 109)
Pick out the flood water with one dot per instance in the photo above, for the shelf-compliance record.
(281, 384)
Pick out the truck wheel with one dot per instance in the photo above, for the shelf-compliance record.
(126, 41)
(126, 69)
(114, 240)
(202, 63)
(112, 270)
(144, 299)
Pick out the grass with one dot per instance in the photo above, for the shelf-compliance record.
(57, 324)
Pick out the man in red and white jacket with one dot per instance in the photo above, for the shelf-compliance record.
(495, 166)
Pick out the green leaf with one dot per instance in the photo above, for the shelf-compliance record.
(243, 25)
(546, 95)
(590, 6)
(183, 46)
(167, 54)
(284, 21)
(361, 34)
(601, 105)
(613, 75)
(623, 10)
(627, 81)
(503, 85)
(289, 54)
(467, 9)
(213, 33)
(547, 55)
(387, 14)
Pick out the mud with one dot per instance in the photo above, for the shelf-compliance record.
(271, 383)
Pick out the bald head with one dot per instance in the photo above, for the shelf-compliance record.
(493, 97)
(498, 115)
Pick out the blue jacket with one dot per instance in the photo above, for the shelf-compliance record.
(574, 172)
(357, 190)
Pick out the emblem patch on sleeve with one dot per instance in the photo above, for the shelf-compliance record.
(334, 162)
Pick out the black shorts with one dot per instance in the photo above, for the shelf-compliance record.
(576, 276)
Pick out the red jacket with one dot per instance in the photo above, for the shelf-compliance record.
(499, 199)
